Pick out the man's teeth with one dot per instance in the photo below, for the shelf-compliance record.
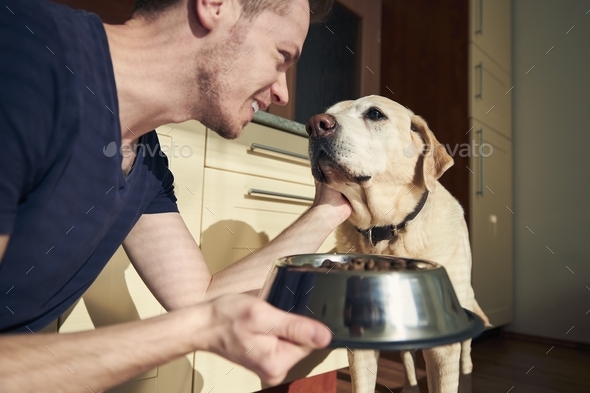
(255, 106)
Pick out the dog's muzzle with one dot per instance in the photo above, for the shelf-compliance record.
(321, 126)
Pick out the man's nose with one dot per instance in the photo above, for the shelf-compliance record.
(279, 93)
(321, 126)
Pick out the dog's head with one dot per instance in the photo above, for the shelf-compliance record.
(374, 143)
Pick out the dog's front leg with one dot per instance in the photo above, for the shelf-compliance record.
(442, 368)
(363, 370)
(410, 379)
(466, 367)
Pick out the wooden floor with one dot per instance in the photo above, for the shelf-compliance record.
(501, 364)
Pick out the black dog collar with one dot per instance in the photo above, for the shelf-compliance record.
(387, 232)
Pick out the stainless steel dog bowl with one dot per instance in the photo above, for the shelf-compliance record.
(411, 306)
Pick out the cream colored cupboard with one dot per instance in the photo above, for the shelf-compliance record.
(491, 223)
(490, 100)
(491, 29)
(255, 187)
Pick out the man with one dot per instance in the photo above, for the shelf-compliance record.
(71, 86)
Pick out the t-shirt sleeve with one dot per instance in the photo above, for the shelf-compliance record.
(27, 100)
(165, 200)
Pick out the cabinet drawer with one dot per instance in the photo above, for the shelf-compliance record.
(490, 29)
(490, 99)
(214, 373)
(275, 154)
(491, 223)
(118, 295)
(237, 221)
(149, 385)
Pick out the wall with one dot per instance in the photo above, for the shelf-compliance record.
(551, 163)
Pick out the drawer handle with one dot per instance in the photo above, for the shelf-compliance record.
(254, 191)
(479, 67)
(479, 30)
(276, 150)
(481, 163)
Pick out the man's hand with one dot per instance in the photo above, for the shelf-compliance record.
(241, 328)
(268, 341)
(336, 204)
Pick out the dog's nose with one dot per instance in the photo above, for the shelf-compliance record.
(321, 126)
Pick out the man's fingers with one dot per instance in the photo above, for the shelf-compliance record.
(276, 364)
(302, 331)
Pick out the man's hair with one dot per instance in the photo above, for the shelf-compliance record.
(319, 9)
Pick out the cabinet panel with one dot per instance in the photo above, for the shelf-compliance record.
(118, 295)
(149, 385)
(490, 100)
(240, 156)
(491, 222)
(213, 371)
(185, 148)
(236, 222)
(491, 29)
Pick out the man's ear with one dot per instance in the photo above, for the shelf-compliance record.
(436, 160)
(210, 12)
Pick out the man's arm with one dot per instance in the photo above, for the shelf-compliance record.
(304, 236)
(236, 327)
(168, 259)
(4, 239)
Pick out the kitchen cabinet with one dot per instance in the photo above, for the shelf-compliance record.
(490, 198)
(261, 151)
(254, 187)
(488, 98)
(491, 29)
(491, 222)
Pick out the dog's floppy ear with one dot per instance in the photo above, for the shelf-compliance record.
(436, 160)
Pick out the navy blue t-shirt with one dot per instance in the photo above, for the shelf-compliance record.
(64, 200)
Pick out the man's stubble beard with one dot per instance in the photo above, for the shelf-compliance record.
(214, 60)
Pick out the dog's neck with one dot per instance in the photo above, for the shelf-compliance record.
(381, 206)
(375, 234)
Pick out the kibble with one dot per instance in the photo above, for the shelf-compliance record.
(363, 264)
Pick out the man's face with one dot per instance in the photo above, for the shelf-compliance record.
(248, 71)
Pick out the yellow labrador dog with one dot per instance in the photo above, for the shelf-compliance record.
(386, 162)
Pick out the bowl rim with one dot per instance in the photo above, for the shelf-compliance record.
(472, 330)
(280, 262)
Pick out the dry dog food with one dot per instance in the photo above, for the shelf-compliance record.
(367, 264)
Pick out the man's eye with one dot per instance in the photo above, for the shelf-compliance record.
(374, 114)
(286, 56)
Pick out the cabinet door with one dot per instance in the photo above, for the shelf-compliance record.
(261, 151)
(491, 222)
(214, 373)
(490, 29)
(490, 96)
(236, 222)
(242, 213)
(119, 295)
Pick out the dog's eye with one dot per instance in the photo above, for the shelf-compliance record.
(374, 114)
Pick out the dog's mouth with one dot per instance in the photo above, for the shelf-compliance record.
(325, 169)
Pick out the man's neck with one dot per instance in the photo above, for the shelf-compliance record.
(149, 61)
